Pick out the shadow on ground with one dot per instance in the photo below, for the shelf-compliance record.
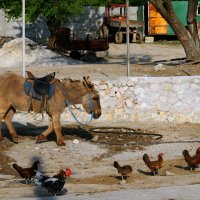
(33, 130)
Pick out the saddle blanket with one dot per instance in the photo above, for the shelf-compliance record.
(28, 88)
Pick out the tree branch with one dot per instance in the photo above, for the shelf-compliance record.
(165, 8)
(191, 19)
(192, 11)
(168, 5)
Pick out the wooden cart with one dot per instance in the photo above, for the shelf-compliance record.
(77, 48)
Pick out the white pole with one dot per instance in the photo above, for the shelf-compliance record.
(23, 38)
(127, 38)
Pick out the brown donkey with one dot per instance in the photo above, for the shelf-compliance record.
(13, 97)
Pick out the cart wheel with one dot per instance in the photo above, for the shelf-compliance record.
(139, 37)
(75, 55)
(91, 56)
(118, 38)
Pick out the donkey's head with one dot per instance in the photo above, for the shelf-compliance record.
(91, 100)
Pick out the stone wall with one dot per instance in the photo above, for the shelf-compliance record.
(157, 99)
(137, 99)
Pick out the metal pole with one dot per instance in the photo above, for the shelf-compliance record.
(23, 38)
(127, 38)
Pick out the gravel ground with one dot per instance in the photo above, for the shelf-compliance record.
(145, 60)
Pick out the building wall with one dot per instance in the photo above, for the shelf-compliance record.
(155, 23)
(87, 23)
(11, 28)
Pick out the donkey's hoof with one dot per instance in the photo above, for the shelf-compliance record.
(61, 143)
(40, 138)
(1, 137)
(15, 140)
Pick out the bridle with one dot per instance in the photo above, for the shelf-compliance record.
(70, 109)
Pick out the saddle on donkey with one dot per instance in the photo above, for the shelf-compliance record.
(40, 89)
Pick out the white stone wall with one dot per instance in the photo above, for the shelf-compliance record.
(157, 99)
(138, 99)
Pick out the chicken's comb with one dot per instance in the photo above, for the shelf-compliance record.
(68, 171)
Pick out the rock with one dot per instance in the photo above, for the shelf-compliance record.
(159, 67)
(56, 149)
(167, 173)
(122, 182)
(129, 103)
(95, 138)
(75, 141)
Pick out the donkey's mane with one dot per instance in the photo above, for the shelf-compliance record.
(71, 80)
(78, 85)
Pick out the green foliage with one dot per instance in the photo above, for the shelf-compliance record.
(12, 8)
(57, 9)
(60, 10)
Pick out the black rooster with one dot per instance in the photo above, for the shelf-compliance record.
(53, 184)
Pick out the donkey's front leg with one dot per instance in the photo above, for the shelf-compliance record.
(58, 129)
(8, 121)
(1, 136)
(1, 118)
(43, 136)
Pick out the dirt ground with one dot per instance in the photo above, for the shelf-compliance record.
(158, 59)
(91, 159)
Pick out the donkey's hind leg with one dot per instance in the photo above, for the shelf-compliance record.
(43, 136)
(58, 129)
(1, 136)
(8, 121)
(2, 113)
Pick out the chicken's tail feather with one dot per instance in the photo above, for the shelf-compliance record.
(116, 165)
(17, 167)
(38, 178)
(146, 158)
(186, 155)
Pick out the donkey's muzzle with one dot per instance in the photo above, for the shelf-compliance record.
(96, 115)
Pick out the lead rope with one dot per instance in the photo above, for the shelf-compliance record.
(68, 105)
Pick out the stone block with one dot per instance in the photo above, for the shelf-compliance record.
(149, 39)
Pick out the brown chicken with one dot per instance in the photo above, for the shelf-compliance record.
(27, 173)
(192, 161)
(198, 151)
(154, 166)
(123, 170)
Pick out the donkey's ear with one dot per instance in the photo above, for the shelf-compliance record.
(84, 78)
(53, 74)
(87, 82)
(30, 75)
(70, 80)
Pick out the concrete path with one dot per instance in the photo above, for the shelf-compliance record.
(190, 192)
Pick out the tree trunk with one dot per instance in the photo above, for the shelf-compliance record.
(188, 36)
(53, 26)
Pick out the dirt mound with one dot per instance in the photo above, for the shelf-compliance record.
(35, 55)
